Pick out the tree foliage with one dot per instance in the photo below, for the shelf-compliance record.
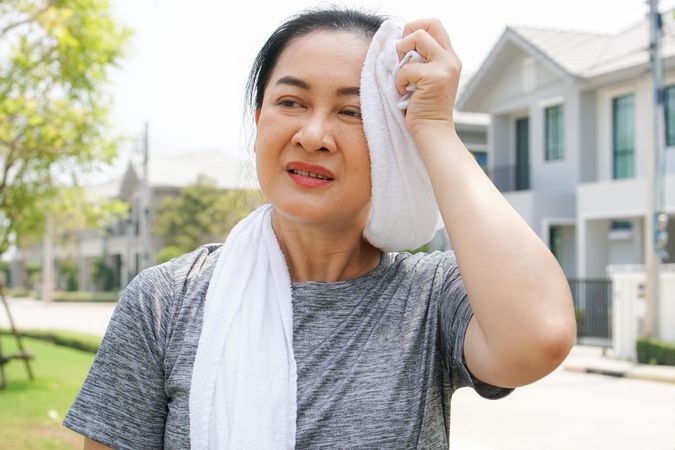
(202, 213)
(55, 56)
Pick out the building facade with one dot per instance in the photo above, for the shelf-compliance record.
(570, 131)
(122, 247)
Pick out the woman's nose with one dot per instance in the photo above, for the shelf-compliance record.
(315, 134)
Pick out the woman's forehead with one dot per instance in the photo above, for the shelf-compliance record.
(326, 44)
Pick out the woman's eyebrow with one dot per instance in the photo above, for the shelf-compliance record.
(349, 91)
(292, 81)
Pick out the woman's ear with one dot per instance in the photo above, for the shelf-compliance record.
(257, 116)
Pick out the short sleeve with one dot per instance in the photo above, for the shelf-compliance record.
(454, 315)
(122, 402)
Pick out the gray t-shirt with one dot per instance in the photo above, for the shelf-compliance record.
(378, 357)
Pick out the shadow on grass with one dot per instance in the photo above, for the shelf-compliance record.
(31, 412)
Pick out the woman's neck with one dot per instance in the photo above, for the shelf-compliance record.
(315, 253)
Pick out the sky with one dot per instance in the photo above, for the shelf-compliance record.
(187, 62)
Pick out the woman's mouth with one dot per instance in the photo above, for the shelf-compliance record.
(309, 175)
(305, 173)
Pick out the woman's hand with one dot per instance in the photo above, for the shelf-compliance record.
(436, 81)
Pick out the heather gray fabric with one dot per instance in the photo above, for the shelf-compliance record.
(378, 357)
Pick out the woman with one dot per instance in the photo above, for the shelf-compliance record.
(381, 340)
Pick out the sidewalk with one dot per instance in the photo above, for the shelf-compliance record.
(30, 314)
(587, 359)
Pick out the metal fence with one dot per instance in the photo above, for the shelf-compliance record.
(593, 309)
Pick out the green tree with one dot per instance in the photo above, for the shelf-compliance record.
(55, 56)
(201, 213)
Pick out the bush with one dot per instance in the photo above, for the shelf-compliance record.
(168, 253)
(20, 292)
(102, 275)
(654, 351)
(84, 296)
(72, 339)
(69, 270)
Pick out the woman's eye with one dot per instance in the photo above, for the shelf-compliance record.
(288, 103)
(352, 113)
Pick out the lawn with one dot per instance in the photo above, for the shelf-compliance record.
(31, 412)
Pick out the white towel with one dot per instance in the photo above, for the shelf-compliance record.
(404, 214)
(243, 389)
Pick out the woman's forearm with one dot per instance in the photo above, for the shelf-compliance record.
(520, 296)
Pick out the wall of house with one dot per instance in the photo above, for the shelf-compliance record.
(511, 98)
(626, 247)
(568, 256)
(558, 175)
(642, 90)
(587, 149)
(593, 248)
(643, 130)
(473, 138)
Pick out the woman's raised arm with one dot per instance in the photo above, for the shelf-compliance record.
(523, 325)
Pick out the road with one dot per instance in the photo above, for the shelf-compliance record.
(568, 411)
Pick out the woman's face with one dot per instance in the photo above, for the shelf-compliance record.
(311, 154)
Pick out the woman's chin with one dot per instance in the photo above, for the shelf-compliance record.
(321, 215)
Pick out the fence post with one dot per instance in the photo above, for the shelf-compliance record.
(628, 309)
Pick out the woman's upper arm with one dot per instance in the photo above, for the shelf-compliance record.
(457, 327)
(90, 444)
(123, 400)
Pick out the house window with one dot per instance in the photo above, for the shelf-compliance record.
(623, 136)
(481, 159)
(669, 104)
(556, 242)
(620, 230)
(554, 132)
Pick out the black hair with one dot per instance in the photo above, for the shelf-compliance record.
(323, 19)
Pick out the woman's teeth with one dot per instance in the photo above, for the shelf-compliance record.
(309, 174)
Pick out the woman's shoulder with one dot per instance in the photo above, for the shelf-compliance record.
(425, 261)
(164, 281)
(181, 269)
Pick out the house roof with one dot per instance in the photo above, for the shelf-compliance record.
(179, 170)
(182, 169)
(576, 55)
(571, 51)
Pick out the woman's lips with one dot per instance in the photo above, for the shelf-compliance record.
(309, 175)
(307, 181)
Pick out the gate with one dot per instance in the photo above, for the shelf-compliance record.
(593, 311)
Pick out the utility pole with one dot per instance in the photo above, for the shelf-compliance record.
(48, 261)
(657, 220)
(145, 204)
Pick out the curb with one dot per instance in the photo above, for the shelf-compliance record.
(622, 369)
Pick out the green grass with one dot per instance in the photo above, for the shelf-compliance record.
(66, 338)
(25, 405)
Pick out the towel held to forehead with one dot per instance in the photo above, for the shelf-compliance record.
(404, 214)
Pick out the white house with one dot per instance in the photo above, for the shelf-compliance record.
(569, 134)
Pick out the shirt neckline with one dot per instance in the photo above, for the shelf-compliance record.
(385, 261)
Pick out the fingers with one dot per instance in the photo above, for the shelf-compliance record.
(432, 26)
(422, 75)
(428, 37)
